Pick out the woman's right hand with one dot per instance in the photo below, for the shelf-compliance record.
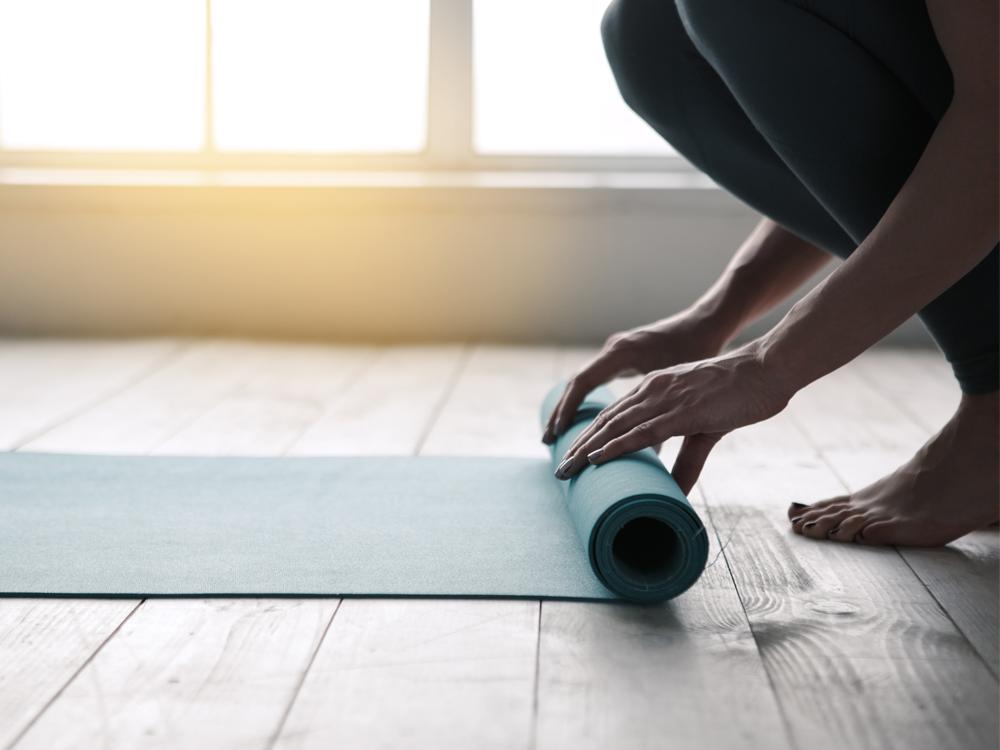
(685, 337)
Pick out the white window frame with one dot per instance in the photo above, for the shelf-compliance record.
(449, 145)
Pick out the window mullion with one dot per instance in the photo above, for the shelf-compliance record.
(449, 110)
(208, 147)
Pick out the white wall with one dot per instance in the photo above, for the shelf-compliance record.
(562, 263)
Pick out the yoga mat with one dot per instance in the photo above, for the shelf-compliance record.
(76, 525)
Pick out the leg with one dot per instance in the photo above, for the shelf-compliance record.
(850, 126)
(673, 88)
(857, 128)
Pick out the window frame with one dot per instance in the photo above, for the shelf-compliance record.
(448, 147)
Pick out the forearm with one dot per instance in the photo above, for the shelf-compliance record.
(769, 265)
(940, 225)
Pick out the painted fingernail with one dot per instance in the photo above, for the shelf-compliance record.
(799, 505)
(595, 455)
(563, 468)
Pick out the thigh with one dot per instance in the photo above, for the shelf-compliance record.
(898, 34)
(667, 82)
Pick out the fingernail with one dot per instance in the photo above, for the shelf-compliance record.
(563, 468)
(831, 532)
(809, 525)
(547, 438)
(799, 505)
(595, 455)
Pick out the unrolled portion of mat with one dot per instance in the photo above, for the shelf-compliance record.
(179, 526)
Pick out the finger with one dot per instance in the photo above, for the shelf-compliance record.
(598, 371)
(691, 459)
(607, 414)
(642, 435)
(617, 425)
(572, 396)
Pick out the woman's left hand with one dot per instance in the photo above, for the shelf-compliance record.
(701, 401)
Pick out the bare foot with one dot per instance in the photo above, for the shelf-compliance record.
(949, 488)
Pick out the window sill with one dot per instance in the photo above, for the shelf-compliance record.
(519, 180)
(48, 190)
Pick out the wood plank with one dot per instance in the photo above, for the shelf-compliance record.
(615, 675)
(910, 388)
(859, 653)
(43, 644)
(415, 673)
(46, 382)
(438, 673)
(189, 673)
(203, 673)
(288, 389)
(138, 419)
(389, 407)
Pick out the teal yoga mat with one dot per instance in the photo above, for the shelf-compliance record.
(75, 525)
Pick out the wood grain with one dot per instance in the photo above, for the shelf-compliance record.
(189, 673)
(437, 673)
(916, 393)
(622, 676)
(858, 651)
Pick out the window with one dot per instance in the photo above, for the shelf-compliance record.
(315, 83)
(102, 74)
(316, 75)
(543, 86)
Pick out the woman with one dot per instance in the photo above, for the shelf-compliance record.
(863, 128)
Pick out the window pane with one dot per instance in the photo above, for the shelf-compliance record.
(320, 75)
(102, 74)
(543, 86)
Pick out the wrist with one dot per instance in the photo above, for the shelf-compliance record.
(716, 321)
(779, 369)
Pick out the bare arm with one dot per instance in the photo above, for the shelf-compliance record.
(769, 265)
(939, 226)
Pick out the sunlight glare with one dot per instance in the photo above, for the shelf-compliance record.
(102, 74)
(543, 85)
(320, 75)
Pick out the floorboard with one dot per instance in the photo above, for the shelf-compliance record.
(785, 642)
(437, 673)
(613, 675)
(859, 652)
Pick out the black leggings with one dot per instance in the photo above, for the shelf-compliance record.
(813, 112)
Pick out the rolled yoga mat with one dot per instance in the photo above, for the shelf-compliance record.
(76, 525)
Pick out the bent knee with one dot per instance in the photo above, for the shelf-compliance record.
(705, 20)
(641, 38)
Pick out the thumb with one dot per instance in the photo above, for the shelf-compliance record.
(691, 458)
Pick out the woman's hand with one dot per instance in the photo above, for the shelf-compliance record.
(685, 337)
(701, 401)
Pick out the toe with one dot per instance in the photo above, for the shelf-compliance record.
(848, 528)
(878, 532)
(819, 527)
(795, 510)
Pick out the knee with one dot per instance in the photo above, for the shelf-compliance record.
(706, 20)
(640, 37)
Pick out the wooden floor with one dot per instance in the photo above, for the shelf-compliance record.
(784, 643)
